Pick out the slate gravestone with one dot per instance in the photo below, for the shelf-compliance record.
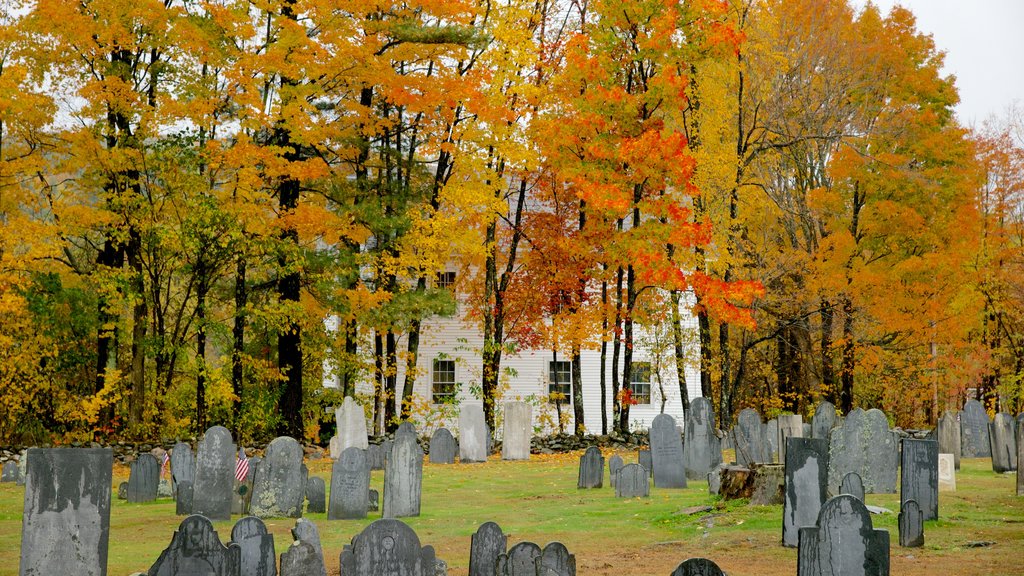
(920, 478)
(853, 486)
(667, 453)
(911, 525)
(375, 458)
(472, 434)
(307, 533)
(183, 465)
(843, 542)
(301, 559)
(279, 484)
(632, 482)
(1020, 456)
(241, 497)
(215, 475)
(698, 567)
(143, 479)
(772, 433)
(521, 560)
(163, 489)
(555, 560)
(407, 428)
(948, 433)
(316, 495)
(22, 467)
(196, 549)
(10, 472)
(715, 480)
(824, 420)
(947, 473)
(334, 445)
(351, 420)
(790, 426)
(387, 547)
(183, 499)
(702, 450)
(748, 439)
(865, 445)
(974, 422)
(403, 478)
(374, 497)
(487, 543)
(591, 469)
(350, 486)
(806, 485)
(256, 547)
(442, 447)
(518, 427)
(643, 457)
(1003, 444)
(614, 465)
(67, 512)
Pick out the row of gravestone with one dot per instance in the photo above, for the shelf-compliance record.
(628, 480)
(970, 433)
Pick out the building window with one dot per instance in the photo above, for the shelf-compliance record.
(640, 383)
(560, 379)
(445, 280)
(444, 381)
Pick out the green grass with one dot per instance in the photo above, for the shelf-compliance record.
(538, 501)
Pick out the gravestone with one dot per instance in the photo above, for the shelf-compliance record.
(351, 420)
(375, 457)
(698, 567)
(196, 549)
(215, 475)
(974, 442)
(442, 447)
(301, 559)
(748, 439)
(316, 495)
(241, 497)
(183, 499)
(403, 478)
(122, 491)
(407, 428)
(643, 457)
(947, 473)
(163, 489)
(487, 543)
(715, 480)
(334, 445)
(183, 465)
(790, 426)
(591, 469)
(521, 560)
(667, 453)
(843, 542)
(66, 515)
(472, 434)
(143, 479)
(555, 560)
(350, 486)
(307, 533)
(948, 433)
(1020, 456)
(632, 482)
(517, 429)
(614, 465)
(22, 467)
(387, 547)
(771, 431)
(279, 484)
(806, 485)
(911, 525)
(865, 445)
(853, 486)
(1003, 444)
(702, 450)
(374, 497)
(10, 472)
(256, 547)
(920, 478)
(824, 420)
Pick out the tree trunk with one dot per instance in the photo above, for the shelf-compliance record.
(378, 382)
(677, 342)
(348, 384)
(849, 360)
(577, 392)
(617, 350)
(390, 381)
(238, 338)
(140, 318)
(411, 358)
(828, 371)
(604, 354)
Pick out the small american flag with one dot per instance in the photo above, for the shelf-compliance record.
(241, 466)
(163, 466)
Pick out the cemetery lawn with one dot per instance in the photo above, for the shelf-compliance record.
(980, 530)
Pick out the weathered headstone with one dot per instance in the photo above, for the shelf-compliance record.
(387, 547)
(632, 482)
(375, 457)
(518, 428)
(305, 559)
(911, 525)
(374, 497)
(65, 523)
(521, 560)
(301, 559)
(183, 465)
(486, 545)
(403, 478)
(163, 489)
(350, 486)
(10, 472)
(1020, 455)
(334, 445)
(974, 442)
(919, 480)
(790, 426)
(196, 549)
(806, 485)
(824, 420)
(715, 480)
(667, 453)
(183, 499)
(241, 497)
(256, 547)
(351, 420)
(122, 491)
(473, 434)
(215, 475)
(1003, 444)
(442, 447)
(702, 450)
(853, 486)
(771, 431)
(865, 445)
(316, 495)
(643, 457)
(591, 469)
(279, 485)
(843, 542)
(948, 434)
(555, 560)
(748, 439)
(947, 473)
(143, 478)
(614, 465)
(22, 467)
(698, 567)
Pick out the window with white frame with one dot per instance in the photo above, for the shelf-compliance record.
(445, 280)
(443, 378)
(640, 383)
(560, 379)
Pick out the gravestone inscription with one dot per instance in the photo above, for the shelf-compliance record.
(865, 445)
(350, 486)
(279, 485)
(974, 442)
(215, 475)
(947, 473)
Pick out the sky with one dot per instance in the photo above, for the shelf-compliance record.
(984, 45)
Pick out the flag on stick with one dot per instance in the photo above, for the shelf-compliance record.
(241, 466)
